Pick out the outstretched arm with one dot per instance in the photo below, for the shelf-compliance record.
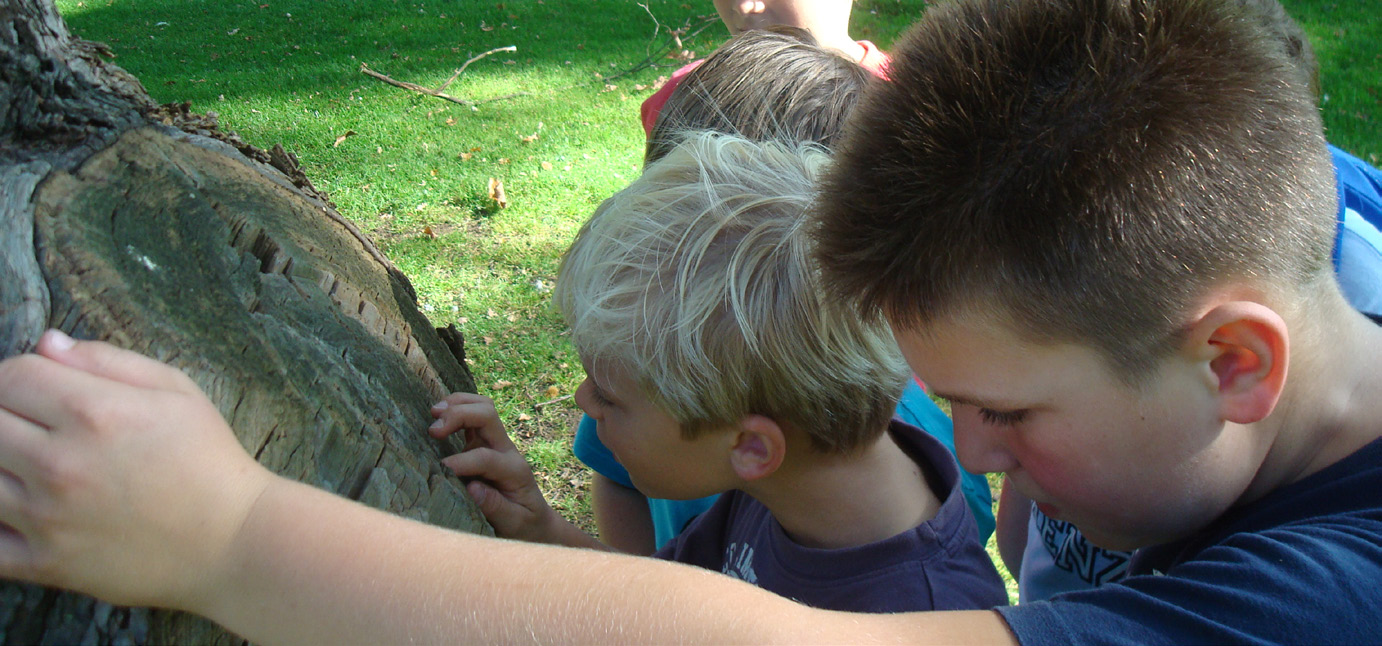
(121, 480)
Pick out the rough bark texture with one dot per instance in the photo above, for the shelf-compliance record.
(148, 227)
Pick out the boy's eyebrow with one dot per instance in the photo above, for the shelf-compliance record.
(974, 401)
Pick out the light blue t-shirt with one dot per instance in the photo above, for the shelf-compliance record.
(671, 516)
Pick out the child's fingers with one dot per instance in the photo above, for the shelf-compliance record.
(488, 499)
(475, 416)
(16, 557)
(53, 395)
(456, 399)
(20, 442)
(486, 463)
(105, 360)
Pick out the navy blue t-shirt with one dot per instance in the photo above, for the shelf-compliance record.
(1301, 565)
(937, 565)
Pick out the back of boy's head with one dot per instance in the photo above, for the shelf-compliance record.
(1080, 171)
(698, 281)
(773, 84)
(1289, 36)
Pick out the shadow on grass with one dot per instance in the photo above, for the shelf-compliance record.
(198, 50)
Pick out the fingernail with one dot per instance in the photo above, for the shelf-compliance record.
(441, 405)
(60, 341)
(436, 425)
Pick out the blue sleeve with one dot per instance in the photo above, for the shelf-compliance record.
(1358, 248)
(1303, 584)
(590, 450)
(916, 408)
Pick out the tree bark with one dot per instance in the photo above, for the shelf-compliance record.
(148, 227)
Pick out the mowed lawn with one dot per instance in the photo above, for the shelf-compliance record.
(414, 172)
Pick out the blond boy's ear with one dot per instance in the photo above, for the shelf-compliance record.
(758, 449)
(1247, 349)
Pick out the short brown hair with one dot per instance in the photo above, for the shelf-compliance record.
(1083, 169)
(773, 84)
(1290, 37)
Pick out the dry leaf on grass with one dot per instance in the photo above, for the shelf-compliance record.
(501, 384)
(553, 391)
(466, 156)
(496, 193)
(342, 138)
(527, 139)
(523, 417)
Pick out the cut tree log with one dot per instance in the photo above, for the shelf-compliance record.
(150, 228)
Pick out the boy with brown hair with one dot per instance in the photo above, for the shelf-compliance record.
(1108, 278)
(770, 84)
(1129, 209)
(826, 20)
(1048, 556)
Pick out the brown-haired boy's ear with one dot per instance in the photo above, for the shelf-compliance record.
(758, 449)
(1247, 348)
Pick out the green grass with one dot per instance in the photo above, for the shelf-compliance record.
(414, 174)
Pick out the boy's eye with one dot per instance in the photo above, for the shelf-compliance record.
(1002, 418)
(600, 399)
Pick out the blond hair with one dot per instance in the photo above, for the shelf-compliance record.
(698, 279)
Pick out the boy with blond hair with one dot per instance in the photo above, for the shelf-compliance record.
(1102, 227)
(713, 365)
(769, 84)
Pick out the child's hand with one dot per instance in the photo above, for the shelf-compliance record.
(504, 487)
(118, 477)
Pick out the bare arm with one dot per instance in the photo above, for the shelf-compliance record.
(622, 516)
(472, 589)
(122, 481)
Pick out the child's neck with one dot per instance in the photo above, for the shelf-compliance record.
(840, 41)
(832, 502)
(1333, 406)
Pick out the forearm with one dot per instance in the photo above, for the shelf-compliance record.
(622, 516)
(309, 567)
(565, 533)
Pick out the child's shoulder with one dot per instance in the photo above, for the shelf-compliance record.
(652, 106)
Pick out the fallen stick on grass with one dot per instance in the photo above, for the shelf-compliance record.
(477, 57)
(438, 92)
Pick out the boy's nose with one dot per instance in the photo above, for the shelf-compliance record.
(582, 397)
(981, 447)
